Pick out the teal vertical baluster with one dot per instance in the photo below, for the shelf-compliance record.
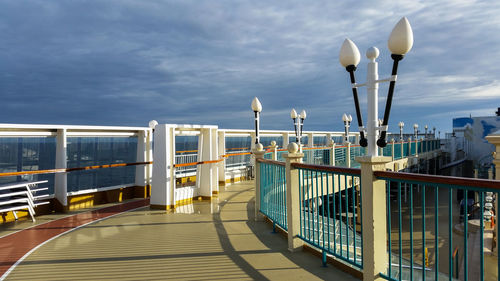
(466, 233)
(450, 233)
(411, 231)
(283, 187)
(316, 200)
(353, 218)
(340, 214)
(276, 190)
(361, 212)
(328, 206)
(423, 232)
(436, 236)
(346, 215)
(309, 205)
(498, 245)
(334, 216)
(389, 216)
(481, 242)
(400, 222)
(322, 210)
(301, 197)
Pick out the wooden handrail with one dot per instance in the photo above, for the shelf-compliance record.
(55, 171)
(324, 168)
(269, 161)
(433, 179)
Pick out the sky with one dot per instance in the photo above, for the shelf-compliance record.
(202, 62)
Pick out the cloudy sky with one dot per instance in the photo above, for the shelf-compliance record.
(202, 62)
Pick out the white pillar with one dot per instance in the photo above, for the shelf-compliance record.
(140, 170)
(214, 167)
(374, 217)
(221, 142)
(206, 175)
(163, 182)
(286, 137)
(332, 152)
(61, 180)
(292, 198)
(274, 150)
(348, 155)
(310, 140)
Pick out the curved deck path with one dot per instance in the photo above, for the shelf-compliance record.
(202, 241)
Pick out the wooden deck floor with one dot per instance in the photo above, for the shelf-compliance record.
(203, 241)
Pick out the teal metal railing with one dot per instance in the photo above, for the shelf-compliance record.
(330, 213)
(273, 192)
(414, 226)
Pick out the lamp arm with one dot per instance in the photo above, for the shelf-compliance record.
(381, 141)
(362, 140)
(296, 132)
(301, 126)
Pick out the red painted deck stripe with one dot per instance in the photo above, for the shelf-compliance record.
(14, 246)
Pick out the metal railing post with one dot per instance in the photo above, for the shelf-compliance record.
(292, 197)
(374, 217)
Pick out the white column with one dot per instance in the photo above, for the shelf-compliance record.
(332, 153)
(214, 167)
(221, 142)
(292, 198)
(286, 137)
(61, 180)
(149, 157)
(204, 175)
(140, 170)
(274, 150)
(374, 217)
(348, 155)
(163, 182)
(310, 140)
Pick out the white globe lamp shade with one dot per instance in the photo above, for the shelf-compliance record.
(401, 38)
(303, 114)
(349, 53)
(344, 117)
(256, 105)
(349, 118)
(152, 124)
(293, 113)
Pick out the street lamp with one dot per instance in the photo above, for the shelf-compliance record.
(401, 124)
(400, 42)
(298, 123)
(347, 123)
(257, 108)
(415, 129)
(433, 132)
(425, 127)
